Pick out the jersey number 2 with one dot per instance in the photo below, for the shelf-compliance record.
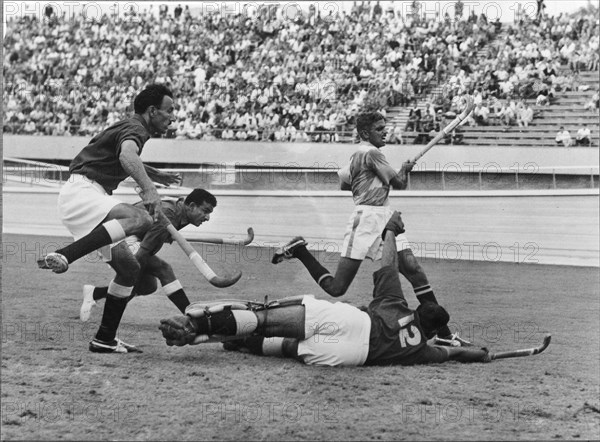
(405, 336)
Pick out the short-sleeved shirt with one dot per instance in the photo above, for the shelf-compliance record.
(396, 334)
(99, 160)
(158, 234)
(370, 175)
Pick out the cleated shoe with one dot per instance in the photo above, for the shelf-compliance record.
(54, 261)
(114, 346)
(88, 303)
(287, 251)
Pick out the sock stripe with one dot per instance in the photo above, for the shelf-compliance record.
(172, 287)
(422, 290)
(119, 291)
(115, 230)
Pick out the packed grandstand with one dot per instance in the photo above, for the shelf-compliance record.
(266, 76)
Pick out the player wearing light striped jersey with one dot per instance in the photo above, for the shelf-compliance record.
(193, 209)
(370, 177)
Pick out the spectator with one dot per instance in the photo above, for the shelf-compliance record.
(414, 119)
(583, 136)
(396, 135)
(241, 134)
(227, 134)
(252, 134)
(524, 116)
(594, 102)
(481, 115)
(563, 137)
(507, 115)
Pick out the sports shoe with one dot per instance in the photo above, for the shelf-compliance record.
(54, 261)
(453, 340)
(287, 251)
(114, 346)
(88, 303)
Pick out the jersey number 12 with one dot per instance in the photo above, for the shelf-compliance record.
(409, 335)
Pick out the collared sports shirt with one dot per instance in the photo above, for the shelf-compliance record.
(99, 160)
(158, 234)
(370, 175)
(396, 333)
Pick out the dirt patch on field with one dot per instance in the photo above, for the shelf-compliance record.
(54, 388)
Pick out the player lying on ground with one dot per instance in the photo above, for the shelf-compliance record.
(369, 176)
(319, 332)
(194, 209)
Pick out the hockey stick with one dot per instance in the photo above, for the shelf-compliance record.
(449, 128)
(199, 262)
(237, 242)
(524, 352)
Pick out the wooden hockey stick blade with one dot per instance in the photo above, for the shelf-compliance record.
(222, 282)
(449, 128)
(524, 352)
(199, 263)
(215, 240)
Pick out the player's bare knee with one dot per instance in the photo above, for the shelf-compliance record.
(146, 285)
(129, 271)
(165, 273)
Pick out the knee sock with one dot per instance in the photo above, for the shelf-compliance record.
(100, 293)
(175, 293)
(262, 346)
(425, 294)
(116, 301)
(107, 233)
(314, 267)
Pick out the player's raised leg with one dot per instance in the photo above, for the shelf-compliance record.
(334, 285)
(410, 268)
(121, 221)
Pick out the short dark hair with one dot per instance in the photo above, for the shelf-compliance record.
(152, 95)
(366, 121)
(199, 196)
(432, 317)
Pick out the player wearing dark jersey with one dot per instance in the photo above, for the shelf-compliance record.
(95, 217)
(370, 177)
(319, 332)
(194, 209)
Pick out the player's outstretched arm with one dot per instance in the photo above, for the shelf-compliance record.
(164, 178)
(400, 181)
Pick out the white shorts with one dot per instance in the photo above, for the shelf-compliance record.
(83, 204)
(335, 333)
(363, 233)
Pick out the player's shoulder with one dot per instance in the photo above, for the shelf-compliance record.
(365, 149)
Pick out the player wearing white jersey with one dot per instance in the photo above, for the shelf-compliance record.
(369, 176)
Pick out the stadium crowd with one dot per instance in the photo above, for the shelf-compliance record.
(277, 74)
